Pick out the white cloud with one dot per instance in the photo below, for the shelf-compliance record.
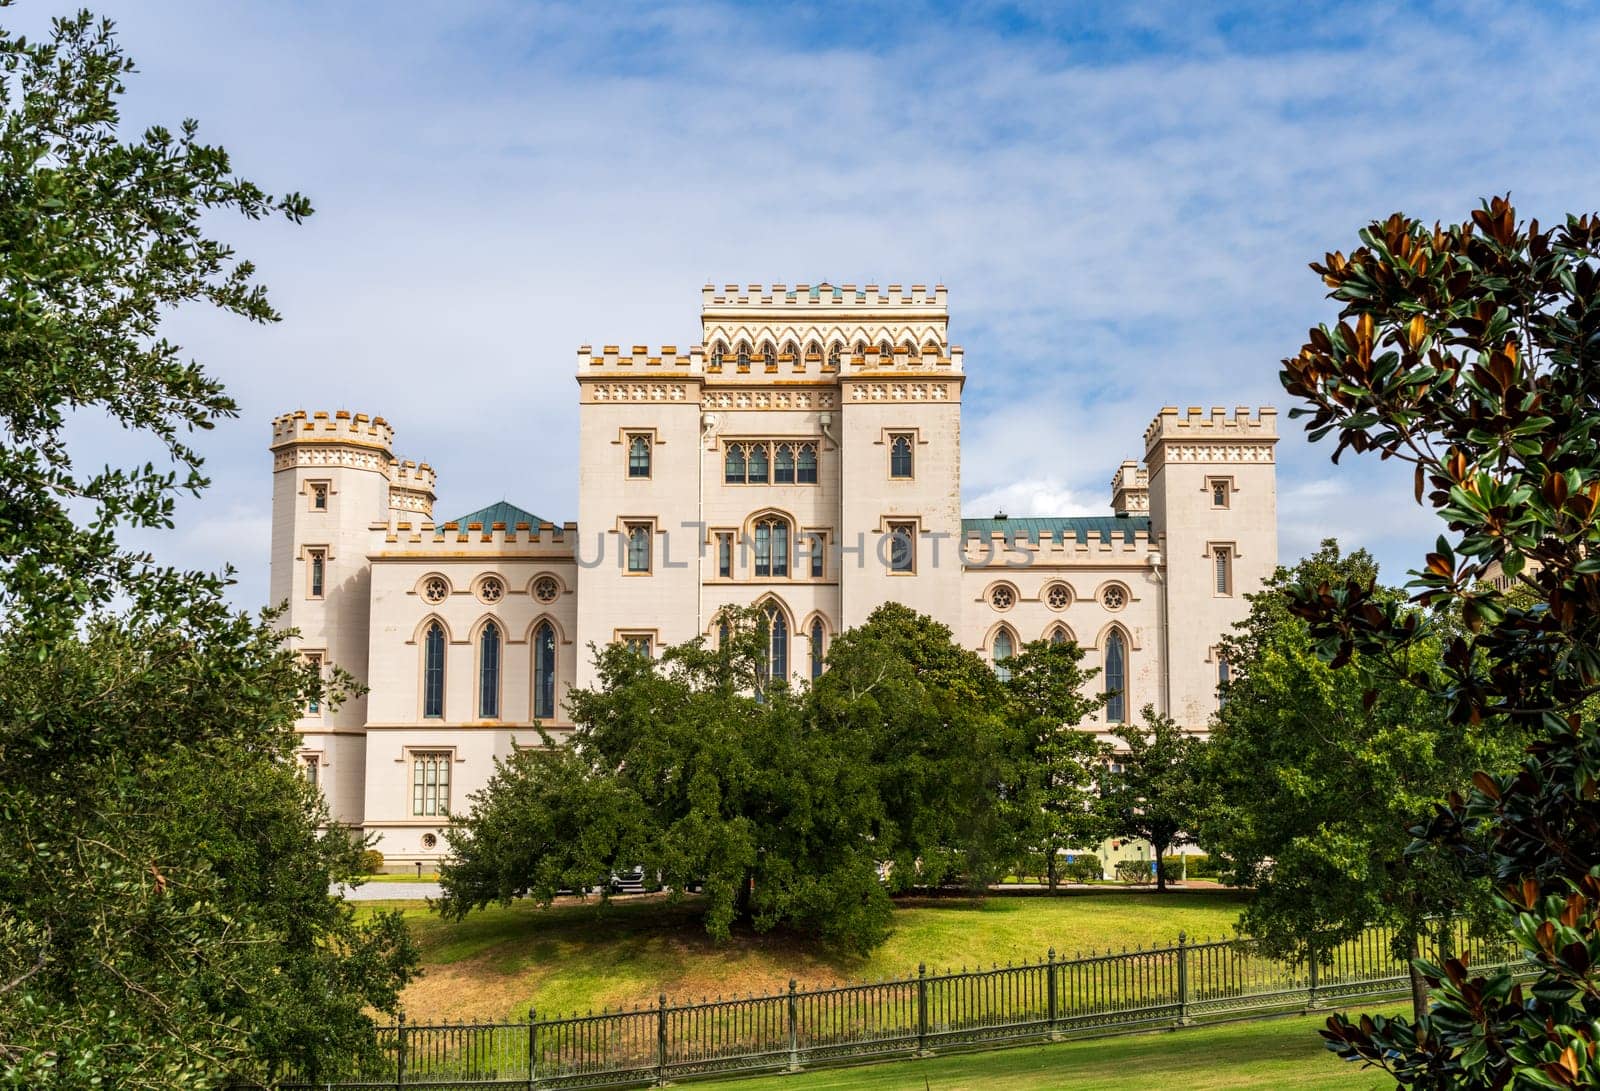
(1122, 206)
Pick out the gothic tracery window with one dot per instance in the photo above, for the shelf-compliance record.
(489, 672)
(544, 672)
(545, 589)
(1000, 654)
(733, 465)
(433, 671)
(435, 590)
(775, 663)
(806, 464)
(1116, 674)
(817, 650)
(783, 464)
(639, 456)
(1114, 597)
(900, 464)
(1057, 596)
(769, 355)
(772, 546)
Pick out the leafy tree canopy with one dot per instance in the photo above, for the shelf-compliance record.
(1155, 794)
(1469, 351)
(164, 915)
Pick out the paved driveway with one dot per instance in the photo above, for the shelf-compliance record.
(387, 892)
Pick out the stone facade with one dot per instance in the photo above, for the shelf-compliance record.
(805, 458)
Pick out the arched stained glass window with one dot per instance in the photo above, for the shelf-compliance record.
(639, 456)
(806, 464)
(1001, 655)
(544, 672)
(900, 456)
(1058, 635)
(489, 673)
(733, 465)
(783, 465)
(777, 657)
(1116, 679)
(433, 671)
(817, 649)
(772, 547)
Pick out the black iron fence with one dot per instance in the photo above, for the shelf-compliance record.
(1047, 1000)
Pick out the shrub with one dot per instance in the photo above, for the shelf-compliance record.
(1135, 871)
(371, 862)
(1083, 869)
(1199, 867)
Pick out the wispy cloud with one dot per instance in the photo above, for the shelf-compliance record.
(1122, 200)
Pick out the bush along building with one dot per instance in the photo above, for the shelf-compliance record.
(805, 458)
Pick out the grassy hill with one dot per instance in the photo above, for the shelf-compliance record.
(576, 957)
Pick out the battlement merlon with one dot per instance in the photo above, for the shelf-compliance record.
(1130, 489)
(1217, 435)
(612, 362)
(425, 538)
(735, 300)
(342, 427)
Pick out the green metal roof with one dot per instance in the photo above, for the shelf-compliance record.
(1033, 527)
(502, 512)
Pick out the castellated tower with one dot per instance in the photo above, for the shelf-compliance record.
(335, 484)
(1214, 513)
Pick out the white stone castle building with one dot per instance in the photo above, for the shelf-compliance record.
(806, 458)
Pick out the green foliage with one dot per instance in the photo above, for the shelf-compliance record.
(1156, 794)
(1084, 868)
(907, 752)
(1470, 351)
(1134, 871)
(1194, 865)
(694, 768)
(371, 861)
(164, 911)
(1314, 774)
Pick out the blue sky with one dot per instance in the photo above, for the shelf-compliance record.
(1122, 199)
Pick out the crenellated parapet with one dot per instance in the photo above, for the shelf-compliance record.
(411, 487)
(424, 537)
(341, 439)
(823, 295)
(1214, 436)
(1089, 541)
(1130, 489)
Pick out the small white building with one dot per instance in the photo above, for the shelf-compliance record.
(806, 457)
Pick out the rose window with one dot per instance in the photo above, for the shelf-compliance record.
(491, 590)
(1002, 598)
(1114, 598)
(435, 589)
(545, 589)
(1057, 596)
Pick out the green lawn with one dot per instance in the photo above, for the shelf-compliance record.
(1275, 1053)
(495, 963)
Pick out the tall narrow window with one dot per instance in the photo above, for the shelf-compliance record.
(544, 672)
(639, 456)
(772, 547)
(319, 497)
(757, 464)
(733, 465)
(318, 562)
(833, 354)
(311, 768)
(314, 706)
(806, 465)
(1224, 676)
(900, 456)
(1116, 679)
(819, 549)
(638, 547)
(816, 648)
(1001, 655)
(783, 465)
(1223, 558)
(902, 547)
(769, 355)
(1219, 494)
(489, 673)
(718, 351)
(885, 352)
(744, 356)
(433, 671)
(792, 349)
(777, 657)
(725, 556)
(430, 784)
(814, 349)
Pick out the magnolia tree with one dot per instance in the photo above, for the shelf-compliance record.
(1472, 352)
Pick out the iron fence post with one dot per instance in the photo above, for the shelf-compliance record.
(661, 1042)
(1183, 979)
(533, 1048)
(1052, 1006)
(922, 1007)
(400, 1053)
(794, 1036)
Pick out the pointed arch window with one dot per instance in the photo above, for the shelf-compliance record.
(544, 671)
(433, 671)
(744, 356)
(817, 649)
(772, 546)
(775, 663)
(718, 351)
(834, 351)
(1001, 654)
(1058, 635)
(489, 672)
(885, 351)
(783, 464)
(792, 350)
(900, 464)
(814, 349)
(757, 464)
(1116, 679)
(806, 464)
(638, 547)
(639, 456)
(733, 465)
(769, 355)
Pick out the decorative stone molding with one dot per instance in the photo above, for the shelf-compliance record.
(768, 399)
(900, 392)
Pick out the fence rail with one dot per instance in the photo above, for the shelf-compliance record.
(1047, 1000)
